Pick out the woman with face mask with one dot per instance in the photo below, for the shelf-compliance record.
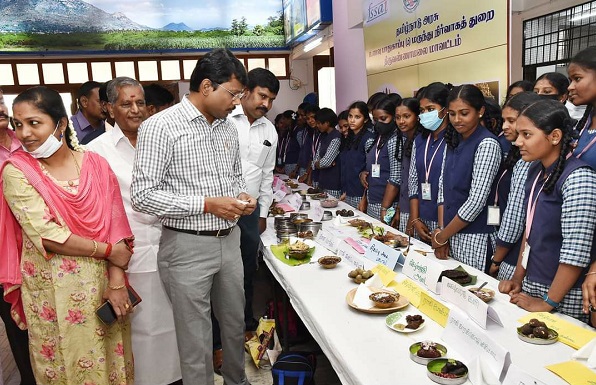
(382, 176)
(427, 156)
(66, 244)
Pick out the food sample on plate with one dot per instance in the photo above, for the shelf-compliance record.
(275, 210)
(370, 231)
(329, 203)
(459, 276)
(344, 213)
(313, 190)
(291, 184)
(360, 275)
(413, 322)
(392, 239)
(383, 299)
(358, 223)
(305, 234)
(451, 369)
(536, 329)
(329, 261)
(484, 294)
(320, 196)
(429, 349)
(298, 250)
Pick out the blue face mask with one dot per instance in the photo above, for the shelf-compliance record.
(430, 120)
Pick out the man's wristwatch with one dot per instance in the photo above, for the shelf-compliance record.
(496, 263)
(549, 301)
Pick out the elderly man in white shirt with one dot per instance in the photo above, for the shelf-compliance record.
(152, 323)
(258, 143)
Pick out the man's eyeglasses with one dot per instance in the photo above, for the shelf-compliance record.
(239, 95)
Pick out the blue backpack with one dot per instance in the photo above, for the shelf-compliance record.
(294, 368)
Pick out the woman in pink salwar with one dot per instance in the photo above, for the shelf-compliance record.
(67, 243)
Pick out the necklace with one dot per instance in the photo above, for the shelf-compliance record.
(71, 182)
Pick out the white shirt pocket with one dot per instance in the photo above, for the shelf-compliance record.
(258, 153)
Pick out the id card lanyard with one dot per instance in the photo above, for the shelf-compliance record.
(530, 217)
(281, 157)
(376, 167)
(494, 214)
(315, 144)
(425, 187)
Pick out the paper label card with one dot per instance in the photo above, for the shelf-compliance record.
(277, 183)
(516, 376)
(279, 195)
(385, 273)
(474, 342)
(434, 309)
(411, 290)
(423, 270)
(316, 211)
(461, 297)
(381, 253)
(569, 333)
(327, 239)
(294, 200)
(348, 254)
(574, 372)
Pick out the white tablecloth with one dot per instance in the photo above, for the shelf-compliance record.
(363, 350)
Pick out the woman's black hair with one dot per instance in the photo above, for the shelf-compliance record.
(395, 98)
(525, 85)
(413, 105)
(559, 81)
(492, 118)
(388, 105)
(50, 103)
(517, 102)
(585, 58)
(548, 115)
(374, 99)
(344, 140)
(472, 96)
(353, 141)
(436, 92)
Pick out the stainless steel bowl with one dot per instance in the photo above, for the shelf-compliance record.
(312, 226)
(284, 236)
(280, 221)
(294, 216)
(327, 215)
(305, 206)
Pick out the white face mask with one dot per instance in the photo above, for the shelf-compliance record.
(48, 148)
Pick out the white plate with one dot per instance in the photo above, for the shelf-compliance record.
(399, 317)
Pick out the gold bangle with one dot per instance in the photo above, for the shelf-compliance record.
(438, 243)
(590, 273)
(94, 249)
(117, 287)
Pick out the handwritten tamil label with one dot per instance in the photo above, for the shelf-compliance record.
(294, 200)
(277, 183)
(423, 270)
(411, 290)
(317, 211)
(279, 195)
(349, 255)
(466, 301)
(327, 239)
(474, 343)
(385, 273)
(434, 309)
(381, 253)
(569, 333)
(284, 187)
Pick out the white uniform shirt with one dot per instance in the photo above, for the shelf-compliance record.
(258, 159)
(120, 154)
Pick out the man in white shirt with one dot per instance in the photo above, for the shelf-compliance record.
(152, 324)
(258, 142)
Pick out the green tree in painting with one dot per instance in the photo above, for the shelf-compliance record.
(258, 30)
(275, 24)
(239, 28)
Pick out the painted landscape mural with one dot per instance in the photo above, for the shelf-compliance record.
(34, 26)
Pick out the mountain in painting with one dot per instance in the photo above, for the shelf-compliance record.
(176, 27)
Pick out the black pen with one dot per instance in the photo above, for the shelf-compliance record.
(267, 143)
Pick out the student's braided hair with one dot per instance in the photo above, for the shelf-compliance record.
(549, 115)
(472, 96)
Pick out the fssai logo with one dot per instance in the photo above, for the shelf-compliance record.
(376, 10)
(411, 5)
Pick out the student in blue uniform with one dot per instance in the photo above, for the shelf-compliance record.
(353, 156)
(291, 148)
(300, 119)
(511, 179)
(406, 118)
(552, 85)
(470, 163)
(517, 87)
(493, 120)
(427, 159)
(327, 160)
(305, 137)
(382, 176)
(558, 242)
(309, 148)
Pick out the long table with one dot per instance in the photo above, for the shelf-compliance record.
(361, 349)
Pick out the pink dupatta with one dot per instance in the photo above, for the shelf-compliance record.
(95, 212)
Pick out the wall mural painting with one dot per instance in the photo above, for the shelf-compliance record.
(100, 26)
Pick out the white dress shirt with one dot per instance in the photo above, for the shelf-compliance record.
(120, 154)
(258, 159)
